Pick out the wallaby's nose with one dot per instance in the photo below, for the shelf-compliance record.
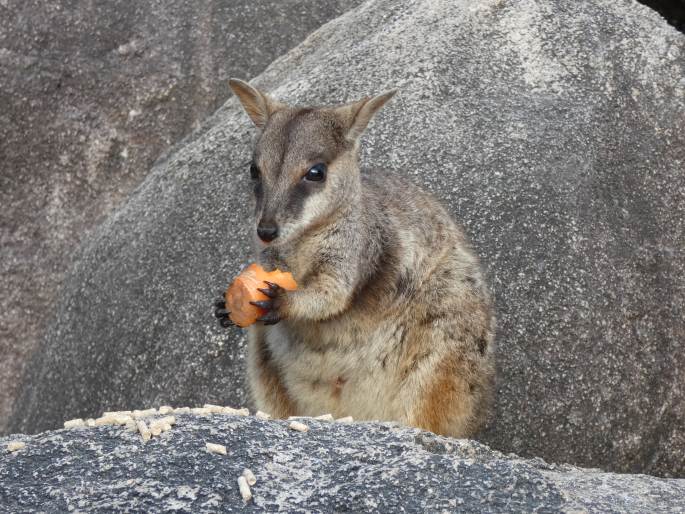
(267, 233)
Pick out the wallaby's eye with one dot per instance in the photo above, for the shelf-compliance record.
(254, 171)
(316, 173)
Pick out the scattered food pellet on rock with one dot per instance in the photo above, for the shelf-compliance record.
(296, 425)
(214, 409)
(244, 489)
(235, 412)
(146, 413)
(262, 415)
(104, 420)
(216, 448)
(166, 409)
(13, 446)
(346, 419)
(90, 422)
(74, 423)
(201, 411)
(144, 430)
(122, 419)
(165, 421)
(182, 410)
(249, 476)
(115, 413)
(162, 425)
(112, 419)
(132, 425)
(325, 417)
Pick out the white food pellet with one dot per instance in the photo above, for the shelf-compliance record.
(325, 417)
(90, 422)
(214, 409)
(115, 413)
(171, 420)
(144, 413)
(166, 409)
(216, 448)
(182, 410)
(122, 419)
(13, 446)
(249, 476)
(236, 412)
(131, 425)
(104, 420)
(74, 423)
(112, 419)
(201, 411)
(244, 489)
(162, 425)
(296, 425)
(262, 415)
(346, 419)
(144, 430)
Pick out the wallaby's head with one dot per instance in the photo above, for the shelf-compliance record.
(304, 166)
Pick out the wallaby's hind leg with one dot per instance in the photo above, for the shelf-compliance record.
(452, 396)
(268, 392)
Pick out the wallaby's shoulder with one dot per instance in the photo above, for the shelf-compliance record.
(409, 205)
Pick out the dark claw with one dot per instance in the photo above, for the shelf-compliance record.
(270, 318)
(274, 292)
(263, 304)
(222, 313)
(268, 292)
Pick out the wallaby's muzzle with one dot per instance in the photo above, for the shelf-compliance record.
(267, 232)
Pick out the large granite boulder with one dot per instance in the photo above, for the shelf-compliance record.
(554, 132)
(90, 94)
(331, 468)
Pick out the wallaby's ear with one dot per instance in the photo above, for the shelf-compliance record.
(358, 114)
(259, 106)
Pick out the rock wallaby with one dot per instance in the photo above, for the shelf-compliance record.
(392, 319)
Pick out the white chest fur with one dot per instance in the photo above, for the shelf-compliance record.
(330, 370)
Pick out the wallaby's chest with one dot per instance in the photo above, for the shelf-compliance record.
(342, 369)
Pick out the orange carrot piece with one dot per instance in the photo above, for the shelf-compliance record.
(244, 290)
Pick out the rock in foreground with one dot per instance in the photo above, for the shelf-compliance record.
(331, 468)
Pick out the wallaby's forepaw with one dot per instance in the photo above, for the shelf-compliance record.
(222, 314)
(272, 306)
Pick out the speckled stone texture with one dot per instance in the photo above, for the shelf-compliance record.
(90, 94)
(554, 131)
(331, 468)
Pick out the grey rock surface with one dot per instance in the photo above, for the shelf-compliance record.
(553, 131)
(90, 95)
(333, 467)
